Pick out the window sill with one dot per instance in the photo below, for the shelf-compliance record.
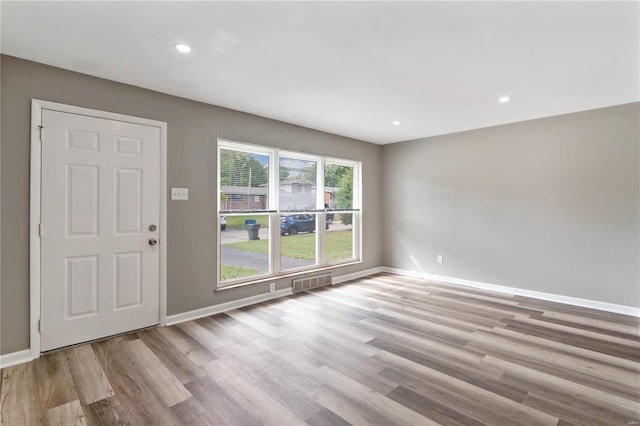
(291, 274)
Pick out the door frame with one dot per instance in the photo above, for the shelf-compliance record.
(37, 106)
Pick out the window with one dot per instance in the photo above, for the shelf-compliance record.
(339, 204)
(281, 212)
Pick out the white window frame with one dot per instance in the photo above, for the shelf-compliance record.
(356, 207)
(273, 211)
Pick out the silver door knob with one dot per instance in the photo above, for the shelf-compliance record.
(153, 242)
(152, 228)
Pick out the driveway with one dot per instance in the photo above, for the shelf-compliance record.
(240, 235)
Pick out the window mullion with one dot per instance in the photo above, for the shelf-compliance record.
(321, 227)
(357, 237)
(274, 180)
(274, 218)
(274, 240)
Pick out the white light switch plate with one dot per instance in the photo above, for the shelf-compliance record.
(180, 194)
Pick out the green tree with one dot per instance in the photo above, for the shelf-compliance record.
(344, 195)
(333, 173)
(308, 174)
(284, 173)
(242, 169)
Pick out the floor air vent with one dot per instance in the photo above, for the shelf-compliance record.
(307, 283)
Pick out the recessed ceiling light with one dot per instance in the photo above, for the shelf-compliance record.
(396, 123)
(504, 99)
(181, 47)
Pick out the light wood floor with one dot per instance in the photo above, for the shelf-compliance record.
(384, 350)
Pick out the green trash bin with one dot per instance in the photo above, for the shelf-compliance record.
(253, 229)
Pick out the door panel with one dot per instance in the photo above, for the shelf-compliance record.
(82, 140)
(129, 146)
(82, 200)
(100, 194)
(82, 286)
(128, 188)
(128, 283)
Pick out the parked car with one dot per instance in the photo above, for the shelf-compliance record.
(292, 224)
(223, 223)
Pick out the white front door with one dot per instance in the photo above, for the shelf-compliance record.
(100, 216)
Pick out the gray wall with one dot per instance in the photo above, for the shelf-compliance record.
(550, 205)
(192, 132)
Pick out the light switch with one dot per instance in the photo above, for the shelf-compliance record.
(180, 194)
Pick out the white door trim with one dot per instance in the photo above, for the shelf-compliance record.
(35, 206)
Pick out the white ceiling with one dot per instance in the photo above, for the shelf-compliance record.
(350, 68)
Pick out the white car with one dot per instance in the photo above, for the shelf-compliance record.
(223, 223)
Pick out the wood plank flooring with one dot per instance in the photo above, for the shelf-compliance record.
(384, 350)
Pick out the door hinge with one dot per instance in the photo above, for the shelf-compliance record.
(41, 133)
(39, 326)
(40, 230)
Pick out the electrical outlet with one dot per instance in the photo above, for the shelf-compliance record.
(272, 288)
(439, 258)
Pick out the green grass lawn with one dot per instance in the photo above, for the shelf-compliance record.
(303, 246)
(339, 245)
(229, 272)
(237, 222)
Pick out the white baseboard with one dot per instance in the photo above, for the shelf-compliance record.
(356, 275)
(241, 303)
(15, 358)
(228, 306)
(20, 357)
(585, 303)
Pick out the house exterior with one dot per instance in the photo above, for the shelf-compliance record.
(243, 197)
(294, 195)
